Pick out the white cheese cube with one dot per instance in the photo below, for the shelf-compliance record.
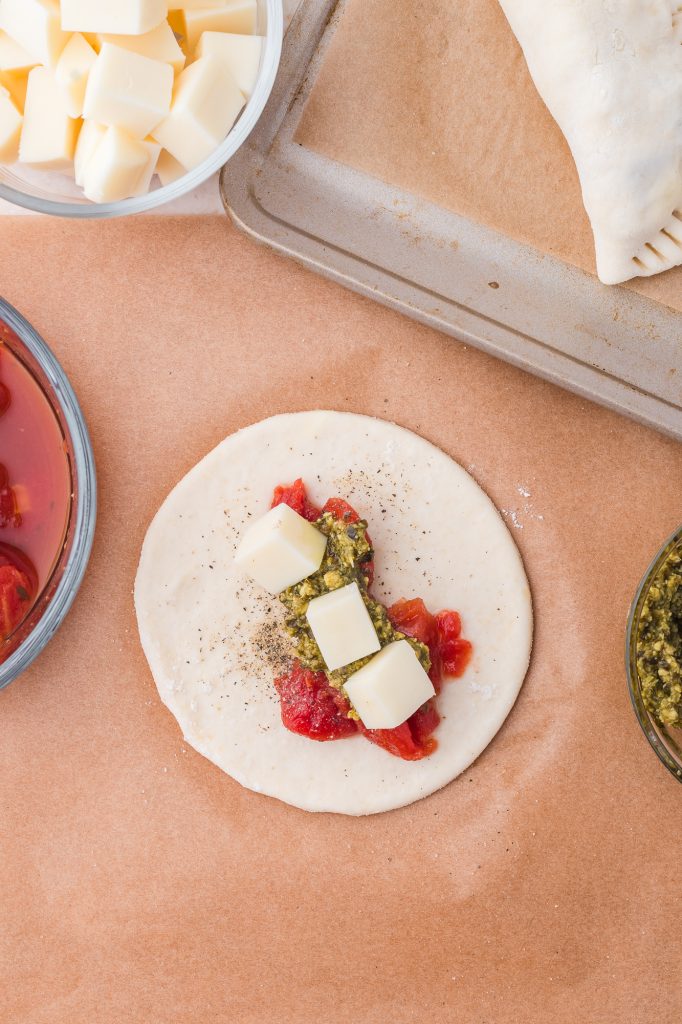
(390, 687)
(10, 128)
(206, 102)
(123, 17)
(35, 25)
(168, 168)
(281, 549)
(116, 167)
(237, 16)
(126, 90)
(72, 70)
(242, 55)
(48, 134)
(91, 134)
(159, 44)
(342, 627)
(14, 57)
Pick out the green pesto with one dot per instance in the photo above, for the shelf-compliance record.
(348, 552)
(659, 643)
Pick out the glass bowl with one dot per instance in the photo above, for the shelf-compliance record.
(50, 192)
(667, 743)
(55, 599)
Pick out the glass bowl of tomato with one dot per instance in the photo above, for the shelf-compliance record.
(47, 494)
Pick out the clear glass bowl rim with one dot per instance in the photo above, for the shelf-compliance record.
(191, 180)
(648, 726)
(81, 529)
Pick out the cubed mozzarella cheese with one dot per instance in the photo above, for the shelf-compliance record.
(342, 627)
(206, 103)
(35, 25)
(126, 90)
(242, 54)
(14, 57)
(90, 135)
(10, 128)
(390, 687)
(237, 16)
(281, 549)
(168, 168)
(159, 44)
(48, 134)
(72, 70)
(123, 17)
(117, 167)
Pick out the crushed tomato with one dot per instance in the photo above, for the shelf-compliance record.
(17, 590)
(9, 513)
(296, 497)
(312, 707)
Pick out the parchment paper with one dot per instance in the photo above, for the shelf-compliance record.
(142, 886)
(437, 99)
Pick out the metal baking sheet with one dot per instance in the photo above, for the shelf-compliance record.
(608, 344)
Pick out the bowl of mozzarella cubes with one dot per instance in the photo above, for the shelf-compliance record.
(111, 107)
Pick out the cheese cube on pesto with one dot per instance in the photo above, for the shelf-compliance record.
(342, 627)
(281, 549)
(389, 688)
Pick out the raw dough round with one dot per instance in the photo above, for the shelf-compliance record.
(213, 638)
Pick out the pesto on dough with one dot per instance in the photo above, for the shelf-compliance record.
(345, 561)
(659, 643)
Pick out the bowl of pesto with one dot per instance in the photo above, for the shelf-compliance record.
(654, 654)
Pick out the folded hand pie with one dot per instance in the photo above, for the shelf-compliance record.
(610, 72)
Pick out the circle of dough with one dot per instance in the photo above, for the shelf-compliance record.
(202, 625)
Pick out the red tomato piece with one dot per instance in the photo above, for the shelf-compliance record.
(414, 619)
(296, 496)
(340, 509)
(5, 398)
(9, 514)
(16, 593)
(424, 723)
(9, 555)
(398, 741)
(456, 659)
(311, 707)
(410, 741)
(453, 651)
(449, 625)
